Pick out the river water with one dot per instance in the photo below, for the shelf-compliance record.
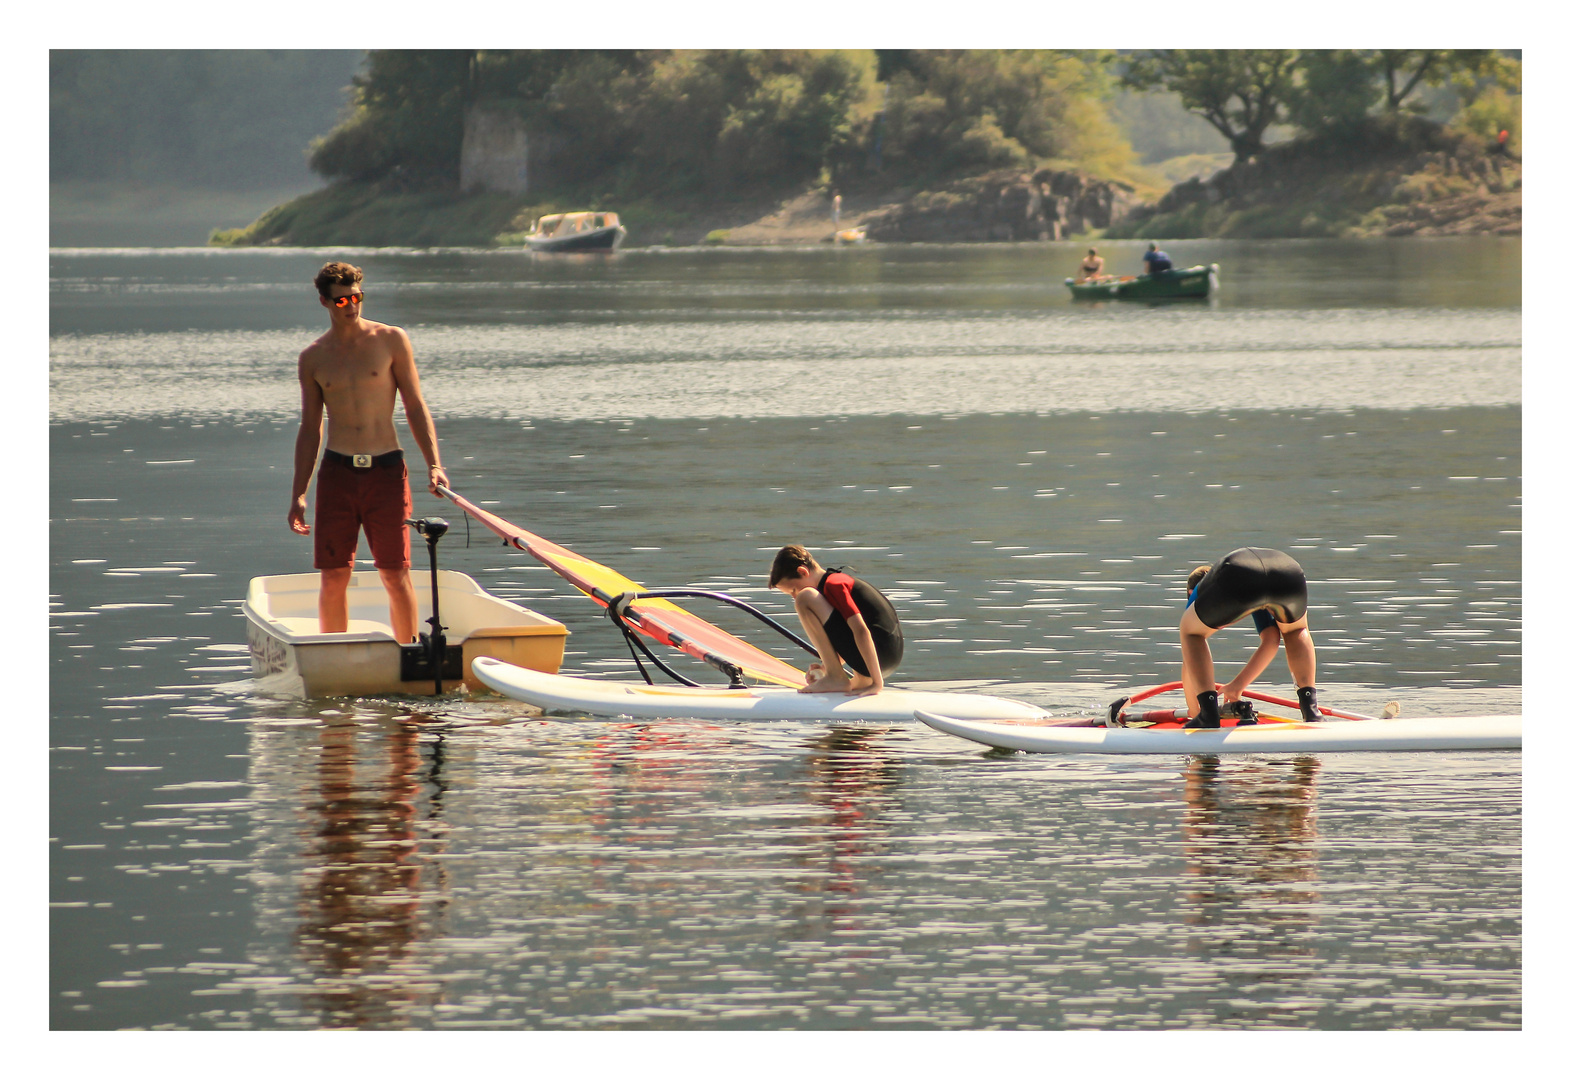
(1028, 479)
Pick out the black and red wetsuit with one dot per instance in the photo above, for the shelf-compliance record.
(1252, 580)
(852, 596)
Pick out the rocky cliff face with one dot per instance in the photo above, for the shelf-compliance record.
(1004, 205)
(1455, 185)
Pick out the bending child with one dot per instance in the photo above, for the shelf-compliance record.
(1260, 581)
(848, 621)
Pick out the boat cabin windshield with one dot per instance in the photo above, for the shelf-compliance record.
(567, 224)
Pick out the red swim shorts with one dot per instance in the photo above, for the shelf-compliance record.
(349, 499)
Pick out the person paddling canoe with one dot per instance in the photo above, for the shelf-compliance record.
(1260, 581)
(848, 621)
(350, 377)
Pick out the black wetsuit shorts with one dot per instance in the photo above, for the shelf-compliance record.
(882, 623)
(1250, 579)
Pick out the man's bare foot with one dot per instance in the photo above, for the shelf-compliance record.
(828, 684)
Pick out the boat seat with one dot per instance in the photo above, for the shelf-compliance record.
(311, 625)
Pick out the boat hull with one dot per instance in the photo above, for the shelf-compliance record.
(1194, 282)
(607, 239)
(1422, 733)
(565, 693)
(290, 655)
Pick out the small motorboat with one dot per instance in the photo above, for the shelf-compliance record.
(1194, 282)
(291, 655)
(585, 230)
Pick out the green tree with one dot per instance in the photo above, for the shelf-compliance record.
(668, 120)
(1240, 92)
(1334, 93)
(1401, 71)
(1340, 92)
(954, 110)
(408, 119)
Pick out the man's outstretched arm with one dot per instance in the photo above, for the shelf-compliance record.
(407, 378)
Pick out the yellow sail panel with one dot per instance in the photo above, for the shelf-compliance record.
(654, 617)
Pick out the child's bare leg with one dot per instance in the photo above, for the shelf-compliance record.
(1300, 655)
(833, 679)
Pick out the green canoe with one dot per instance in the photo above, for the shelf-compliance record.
(1193, 281)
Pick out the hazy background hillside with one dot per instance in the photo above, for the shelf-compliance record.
(159, 147)
(174, 147)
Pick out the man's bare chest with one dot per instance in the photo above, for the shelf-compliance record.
(354, 374)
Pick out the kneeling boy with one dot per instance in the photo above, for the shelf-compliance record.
(848, 621)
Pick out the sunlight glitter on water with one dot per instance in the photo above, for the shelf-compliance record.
(225, 860)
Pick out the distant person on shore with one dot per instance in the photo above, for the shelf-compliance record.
(1091, 266)
(349, 377)
(834, 211)
(1260, 581)
(1156, 259)
(848, 621)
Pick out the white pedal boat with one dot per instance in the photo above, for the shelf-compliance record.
(566, 693)
(291, 655)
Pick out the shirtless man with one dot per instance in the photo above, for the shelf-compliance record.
(1091, 266)
(352, 374)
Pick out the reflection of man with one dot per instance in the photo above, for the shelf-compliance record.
(352, 374)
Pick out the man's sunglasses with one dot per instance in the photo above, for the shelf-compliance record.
(345, 301)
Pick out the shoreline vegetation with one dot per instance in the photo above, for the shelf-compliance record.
(469, 147)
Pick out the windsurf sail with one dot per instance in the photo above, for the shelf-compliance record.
(656, 618)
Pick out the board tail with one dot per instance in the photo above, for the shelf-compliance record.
(655, 618)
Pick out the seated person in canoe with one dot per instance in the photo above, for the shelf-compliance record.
(1260, 581)
(1090, 267)
(350, 378)
(1156, 259)
(848, 621)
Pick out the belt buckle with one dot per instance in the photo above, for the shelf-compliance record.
(362, 461)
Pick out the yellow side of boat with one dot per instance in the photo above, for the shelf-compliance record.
(290, 654)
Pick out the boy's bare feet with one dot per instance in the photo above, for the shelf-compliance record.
(827, 684)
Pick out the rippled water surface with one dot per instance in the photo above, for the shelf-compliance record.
(1030, 481)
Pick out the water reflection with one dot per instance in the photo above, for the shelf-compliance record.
(850, 776)
(579, 874)
(365, 894)
(1250, 841)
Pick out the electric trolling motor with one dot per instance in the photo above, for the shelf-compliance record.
(431, 658)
